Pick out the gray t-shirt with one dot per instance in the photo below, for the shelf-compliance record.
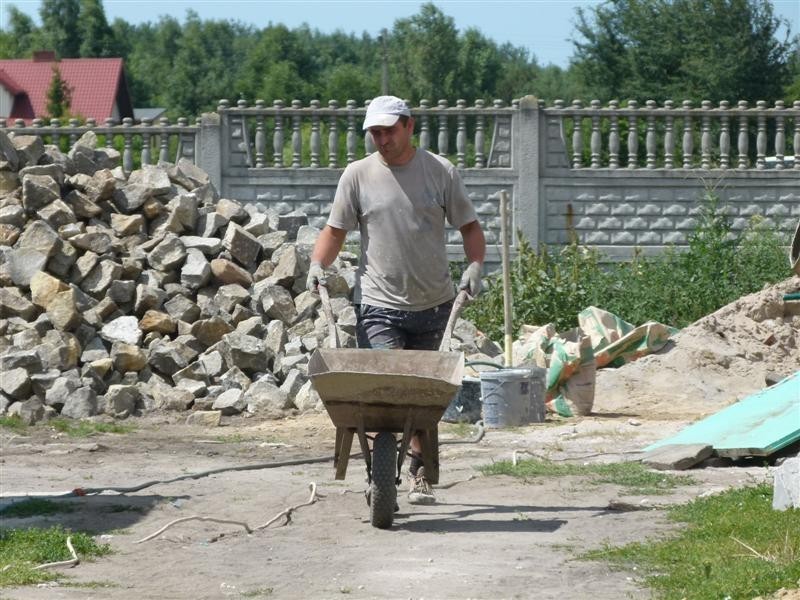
(401, 213)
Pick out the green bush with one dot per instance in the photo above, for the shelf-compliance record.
(675, 288)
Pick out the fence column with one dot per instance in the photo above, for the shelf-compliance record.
(527, 134)
(210, 145)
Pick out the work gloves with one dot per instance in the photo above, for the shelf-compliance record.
(471, 279)
(315, 275)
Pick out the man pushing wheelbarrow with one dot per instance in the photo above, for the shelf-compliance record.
(400, 198)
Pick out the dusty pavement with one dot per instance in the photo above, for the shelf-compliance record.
(489, 537)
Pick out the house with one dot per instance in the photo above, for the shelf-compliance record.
(98, 87)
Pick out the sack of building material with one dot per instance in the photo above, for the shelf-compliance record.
(574, 395)
(531, 346)
(617, 342)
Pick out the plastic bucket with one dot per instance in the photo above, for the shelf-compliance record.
(512, 397)
(466, 405)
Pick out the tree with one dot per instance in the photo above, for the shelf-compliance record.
(22, 36)
(97, 38)
(61, 26)
(59, 96)
(682, 49)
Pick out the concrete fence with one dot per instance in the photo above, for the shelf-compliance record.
(617, 178)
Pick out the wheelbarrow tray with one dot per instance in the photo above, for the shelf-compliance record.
(378, 389)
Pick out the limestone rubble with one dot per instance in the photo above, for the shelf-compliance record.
(121, 294)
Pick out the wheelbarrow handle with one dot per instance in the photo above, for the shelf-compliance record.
(462, 299)
(326, 307)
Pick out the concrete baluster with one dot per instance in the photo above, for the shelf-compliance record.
(186, 145)
(780, 135)
(796, 141)
(461, 134)
(705, 136)
(37, 123)
(127, 148)
(761, 135)
(19, 123)
(297, 138)
(333, 136)
(352, 136)
(110, 135)
(147, 123)
(444, 136)
(315, 143)
(595, 142)
(369, 143)
(724, 136)
(261, 136)
(4, 123)
(91, 123)
(743, 144)
(577, 136)
(480, 136)
(277, 135)
(613, 134)
(73, 134)
(633, 137)
(56, 137)
(650, 135)
(669, 135)
(688, 135)
(424, 125)
(163, 140)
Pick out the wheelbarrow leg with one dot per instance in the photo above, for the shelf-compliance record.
(429, 440)
(404, 443)
(344, 441)
(362, 439)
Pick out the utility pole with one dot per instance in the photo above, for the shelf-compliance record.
(384, 64)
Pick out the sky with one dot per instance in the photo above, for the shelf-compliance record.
(544, 27)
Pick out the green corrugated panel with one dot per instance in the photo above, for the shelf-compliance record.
(755, 426)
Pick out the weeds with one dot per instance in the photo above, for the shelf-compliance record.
(82, 429)
(632, 475)
(734, 546)
(23, 549)
(675, 288)
(14, 423)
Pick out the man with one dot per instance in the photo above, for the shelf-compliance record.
(399, 198)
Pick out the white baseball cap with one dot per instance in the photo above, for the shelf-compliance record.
(384, 111)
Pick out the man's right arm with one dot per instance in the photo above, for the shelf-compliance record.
(328, 245)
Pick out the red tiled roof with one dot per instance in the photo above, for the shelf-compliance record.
(95, 83)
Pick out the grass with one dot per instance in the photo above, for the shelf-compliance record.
(82, 429)
(35, 507)
(733, 546)
(631, 475)
(14, 423)
(23, 549)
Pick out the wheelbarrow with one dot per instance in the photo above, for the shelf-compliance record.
(386, 392)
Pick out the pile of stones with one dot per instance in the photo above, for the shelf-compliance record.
(122, 294)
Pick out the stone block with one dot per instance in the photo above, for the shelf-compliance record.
(243, 247)
(786, 485)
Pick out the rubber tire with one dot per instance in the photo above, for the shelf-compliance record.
(383, 487)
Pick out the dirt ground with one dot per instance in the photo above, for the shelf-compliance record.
(488, 537)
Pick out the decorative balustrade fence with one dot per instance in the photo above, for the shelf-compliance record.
(617, 178)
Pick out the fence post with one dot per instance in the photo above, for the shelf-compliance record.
(527, 150)
(210, 148)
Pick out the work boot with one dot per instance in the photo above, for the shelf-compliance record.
(421, 492)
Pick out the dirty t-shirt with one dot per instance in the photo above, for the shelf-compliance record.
(401, 213)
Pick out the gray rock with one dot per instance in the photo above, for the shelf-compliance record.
(289, 266)
(231, 295)
(183, 210)
(230, 402)
(96, 241)
(29, 412)
(16, 383)
(210, 224)
(148, 298)
(60, 391)
(234, 378)
(196, 271)
(204, 418)
(189, 175)
(182, 309)
(246, 352)
(166, 358)
(94, 350)
(122, 329)
(38, 191)
(121, 400)
(101, 277)
(786, 485)
(63, 311)
(30, 149)
(83, 266)
(82, 205)
(8, 151)
(14, 304)
(124, 225)
(121, 291)
(131, 197)
(168, 254)
(307, 235)
(24, 263)
(294, 381)
(213, 363)
(81, 404)
(152, 177)
(270, 242)
(59, 350)
(210, 246)
(57, 214)
(308, 399)
(38, 235)
(277, 303)
(291, 223)
(265, 399)
(244, 248)
(62, 261)
(12, 214)
(231, 210)
(21, 359)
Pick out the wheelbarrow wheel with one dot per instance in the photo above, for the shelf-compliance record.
(383, 490)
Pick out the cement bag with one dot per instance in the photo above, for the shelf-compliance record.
(531, 346)
(575, 395)
(617, 342)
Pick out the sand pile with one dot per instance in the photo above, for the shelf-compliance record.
(719, 359)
